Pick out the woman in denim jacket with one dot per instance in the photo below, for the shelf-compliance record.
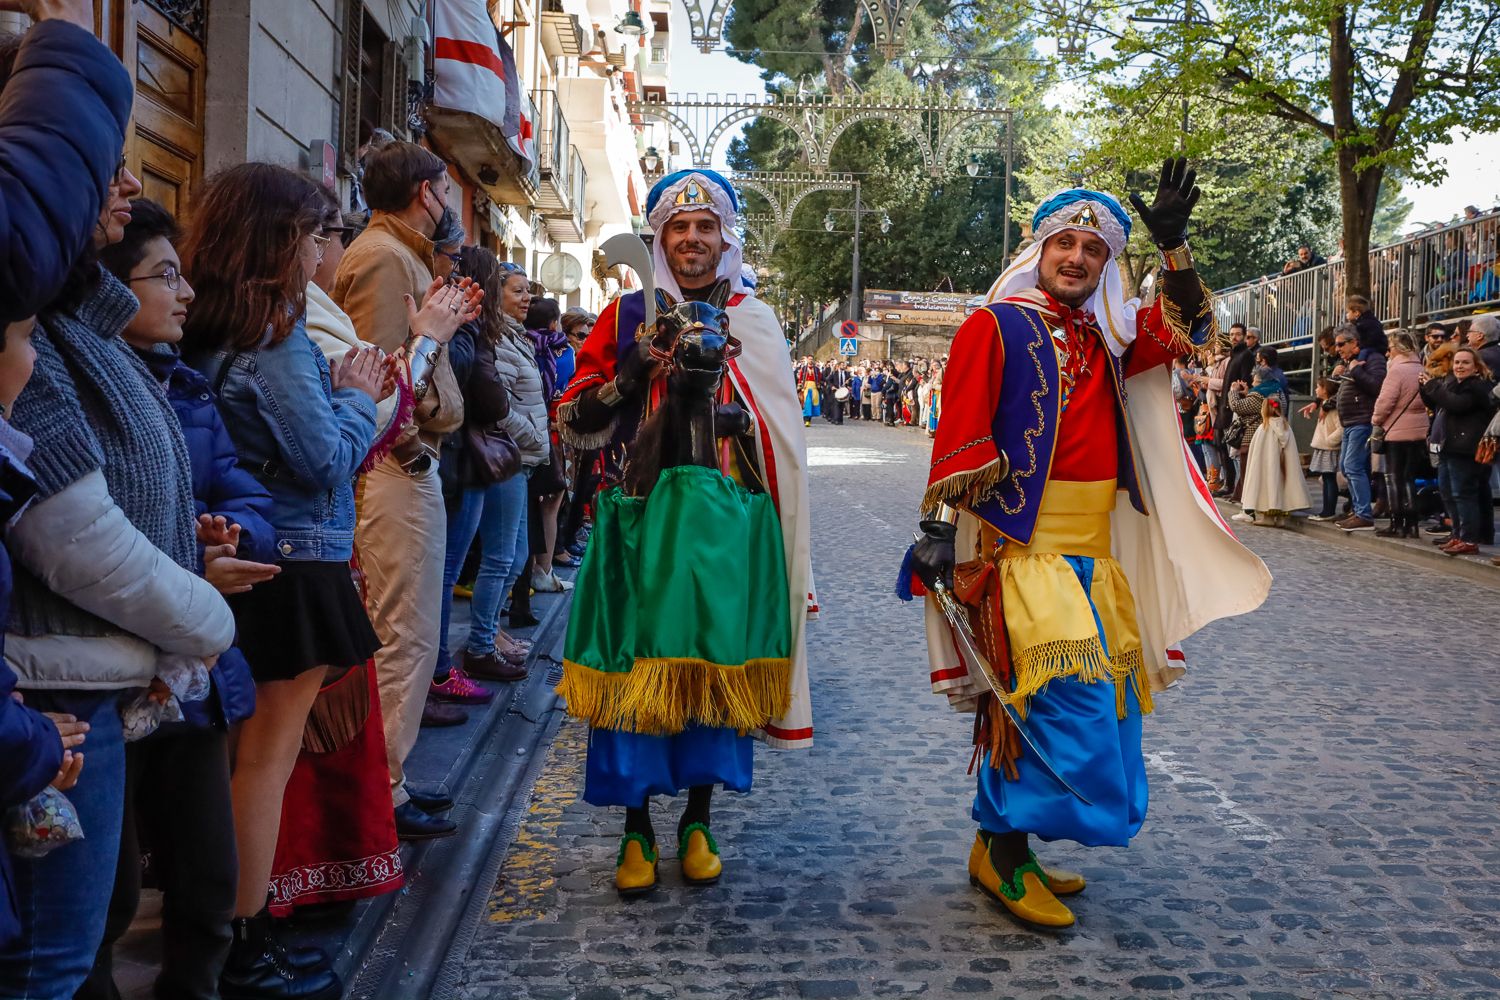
(303, 431)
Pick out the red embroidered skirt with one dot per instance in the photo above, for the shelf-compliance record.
(338, 833)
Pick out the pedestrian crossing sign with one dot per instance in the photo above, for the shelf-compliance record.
(849, 347)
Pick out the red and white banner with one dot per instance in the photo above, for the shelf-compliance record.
(469, 73)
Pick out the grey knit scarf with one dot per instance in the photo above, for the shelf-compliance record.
(91, 404)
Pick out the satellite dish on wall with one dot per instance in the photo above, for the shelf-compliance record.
(561, 273)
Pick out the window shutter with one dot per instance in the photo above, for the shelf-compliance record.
(354, 21)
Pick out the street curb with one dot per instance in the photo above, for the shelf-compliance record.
(1413, 552)
(388, 925)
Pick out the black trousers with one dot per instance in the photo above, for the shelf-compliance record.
(1403, 460)
(177, 807)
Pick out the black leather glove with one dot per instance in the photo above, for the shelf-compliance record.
(635, 371)
(933, 557)
(731, 420)
(1176, 194)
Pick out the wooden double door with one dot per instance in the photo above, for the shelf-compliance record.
(165, 56)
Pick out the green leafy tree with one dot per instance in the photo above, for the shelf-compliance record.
(1380, 82)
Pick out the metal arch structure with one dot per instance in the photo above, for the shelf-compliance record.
(888, 18)
(784, 192)
(936, 124)
(706, 22)
(761, 234)
(1071, 19)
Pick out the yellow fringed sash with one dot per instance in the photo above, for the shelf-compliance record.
(661, 697)
(1049, 618)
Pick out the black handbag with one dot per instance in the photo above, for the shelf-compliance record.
(492, 456)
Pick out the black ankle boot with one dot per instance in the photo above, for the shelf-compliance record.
(260, 969)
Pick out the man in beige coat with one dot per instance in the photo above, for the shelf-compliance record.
(402, 527)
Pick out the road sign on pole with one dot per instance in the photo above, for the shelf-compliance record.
(848, 328)
(848, 347)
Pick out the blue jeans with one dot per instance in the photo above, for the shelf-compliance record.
(1354, 458)
(1468, 480)
(63, 898)
(500, 513)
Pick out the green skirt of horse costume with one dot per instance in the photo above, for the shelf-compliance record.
(679, 612)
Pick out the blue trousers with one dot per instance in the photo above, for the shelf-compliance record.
(625, 768)
(1354, 458)
(63, 898)
(497, 514)
(1077, 726)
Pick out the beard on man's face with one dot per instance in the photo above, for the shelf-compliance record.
(1068, 292)
(702, 259)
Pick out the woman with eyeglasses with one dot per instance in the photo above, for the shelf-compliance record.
(89, 618)
(304, 429)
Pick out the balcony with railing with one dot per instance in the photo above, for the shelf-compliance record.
(570, 228)
(1432, 277)
(557, 162)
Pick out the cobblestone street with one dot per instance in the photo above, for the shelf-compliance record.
(1324, 815)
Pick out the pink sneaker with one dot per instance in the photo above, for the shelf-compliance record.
(460, 690)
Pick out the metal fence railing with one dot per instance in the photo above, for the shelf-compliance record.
(824, 329)
(1434, 276)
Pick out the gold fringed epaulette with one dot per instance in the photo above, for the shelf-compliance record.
(1180, 330)
(580, 440)
(962, 489)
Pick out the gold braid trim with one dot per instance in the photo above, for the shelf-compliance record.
(584, 442)
(662, 696)
(962, 489)
(1085, 659)
(1180, 330)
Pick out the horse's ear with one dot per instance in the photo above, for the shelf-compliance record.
(720, 294)
(664, 301)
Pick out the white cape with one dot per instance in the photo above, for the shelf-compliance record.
(762, 375)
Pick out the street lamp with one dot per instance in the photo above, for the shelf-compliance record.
(973, 165)
(828, 222)
(652, 159)
(885, 222)
(631, 25)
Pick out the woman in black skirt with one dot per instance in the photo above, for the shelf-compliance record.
(303, 430)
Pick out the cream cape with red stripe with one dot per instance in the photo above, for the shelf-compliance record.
(1184, 565)
(762, 376)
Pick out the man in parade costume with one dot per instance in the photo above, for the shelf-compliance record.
(617, 386)
(1071, 600)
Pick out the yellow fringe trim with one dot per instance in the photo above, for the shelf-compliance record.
(1179, 328)
(963, 488)
(1085, 659)
(662, 697)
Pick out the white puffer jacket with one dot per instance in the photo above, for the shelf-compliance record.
(515, 360)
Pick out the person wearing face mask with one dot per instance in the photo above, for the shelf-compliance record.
(89, 619)
(402, 521)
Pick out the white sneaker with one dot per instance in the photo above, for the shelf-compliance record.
(549, 583)
(1243, 518)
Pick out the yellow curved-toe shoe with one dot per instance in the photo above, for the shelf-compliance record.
(1026, 895)
(635, 868)
(699, 855)
(1063, 882)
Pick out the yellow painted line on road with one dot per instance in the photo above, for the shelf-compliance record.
(527, 879)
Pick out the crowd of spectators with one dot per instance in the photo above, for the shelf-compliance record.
(271, 434)
(896, 393)
(1405, 429)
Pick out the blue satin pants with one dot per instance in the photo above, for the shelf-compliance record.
(1077, 726)
(625, 768)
